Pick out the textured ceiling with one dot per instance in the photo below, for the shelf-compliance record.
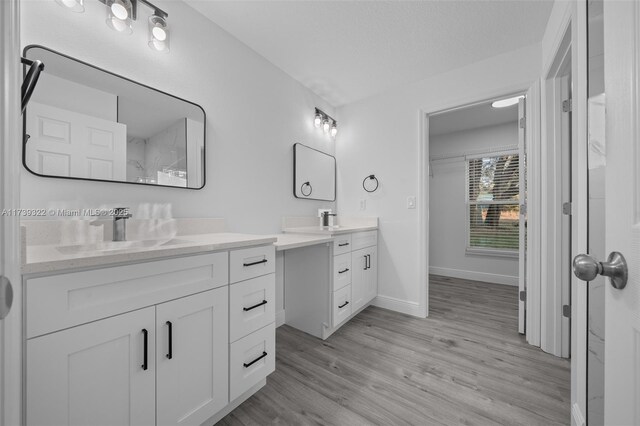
(351, 49)
(472, 117)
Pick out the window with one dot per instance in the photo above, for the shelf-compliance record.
(493, 204)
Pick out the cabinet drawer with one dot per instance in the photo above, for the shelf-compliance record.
(252, 358)
(342, 244)
(341, 271)
(341, 305)
(252, 305)
(66, 300)
(364, 239)
(252, 262)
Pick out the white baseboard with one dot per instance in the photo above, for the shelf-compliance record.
(577, 419)
(473, 275)
(398, 305)
(279, 318)
(235, 403)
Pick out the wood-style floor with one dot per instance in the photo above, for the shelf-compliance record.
(465, 364)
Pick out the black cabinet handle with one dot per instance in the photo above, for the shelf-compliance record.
(343, 244)
(264, 302)
(145, 355)
(255, 263)
(255, 360)
(345, 304)
(368, 261)
(343, 271)
(170, 353)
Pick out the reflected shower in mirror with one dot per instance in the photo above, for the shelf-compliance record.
(86, 123)
(314, 174)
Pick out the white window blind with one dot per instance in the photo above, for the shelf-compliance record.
(493, 201)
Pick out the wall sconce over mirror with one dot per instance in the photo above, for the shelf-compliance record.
(122, 13)
(329, 124)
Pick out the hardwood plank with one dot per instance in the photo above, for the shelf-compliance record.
(465, 364)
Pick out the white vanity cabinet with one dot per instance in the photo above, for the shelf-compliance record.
(149, 343)
(327, 284)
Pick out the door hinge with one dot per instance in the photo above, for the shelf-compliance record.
(566, 208)
(566, 311)
(523, 122)
(567, 106)
(523, 296)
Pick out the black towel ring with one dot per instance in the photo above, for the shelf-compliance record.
(310, 189)
(370, 177)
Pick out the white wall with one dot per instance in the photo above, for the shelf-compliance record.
(382, 134)
(255, 113)
(447, 213)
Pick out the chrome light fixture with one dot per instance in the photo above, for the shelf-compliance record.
(122, 13)
(120, 16)
(329, 124)
(73, 5)
(158, 33)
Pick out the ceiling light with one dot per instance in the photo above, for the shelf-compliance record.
(503, 103)
(158, 33)
(119, 16)
(72, 5)
(334, 129)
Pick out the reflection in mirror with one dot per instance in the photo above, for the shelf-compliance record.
(314, 174)
(86, 123)
(597, 163)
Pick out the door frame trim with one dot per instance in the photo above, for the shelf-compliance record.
(11, 393)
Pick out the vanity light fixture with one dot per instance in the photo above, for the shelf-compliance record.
(122, 13)
(324, 120)
(503, 103)
(73, 5)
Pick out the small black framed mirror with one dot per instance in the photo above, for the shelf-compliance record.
(314, 174)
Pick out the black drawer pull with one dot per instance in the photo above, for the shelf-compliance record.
(170, 353)
(345, 304)
(343, 244)
(145, 356)
(255, 263)
(255, 360)
(264, 302)
(345, 270)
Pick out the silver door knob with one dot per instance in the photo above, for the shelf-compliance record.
(587, 268)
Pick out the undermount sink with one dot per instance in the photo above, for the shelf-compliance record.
(104, 246)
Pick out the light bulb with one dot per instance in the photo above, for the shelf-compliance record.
(158, 33)
(73, 5)
(325, 125)
(119, 11)
(317, 121)
(334, 130)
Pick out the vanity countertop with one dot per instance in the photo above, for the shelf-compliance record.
(291, 241)
(329, 231)
(50, 258)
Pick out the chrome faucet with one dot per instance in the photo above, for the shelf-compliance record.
(120, 216)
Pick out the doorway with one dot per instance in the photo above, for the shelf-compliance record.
(477, 197)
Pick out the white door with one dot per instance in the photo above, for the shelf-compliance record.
(622, 307)
(522, 240)
(371, 283)
(69, 144)
(192, 357)
(101, 373)
(359, 263)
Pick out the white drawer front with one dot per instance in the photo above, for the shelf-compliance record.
(62, 301)
(252, 262)
(341, 271)
(342, 244)
(341, 305)
(364, 239)
(252, 305)
(248, 362)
